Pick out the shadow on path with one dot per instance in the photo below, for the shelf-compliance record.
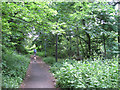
(38, 75)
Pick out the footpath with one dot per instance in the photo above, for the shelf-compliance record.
(38, 75)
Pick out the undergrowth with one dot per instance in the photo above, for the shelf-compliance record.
(95, 73)
(14, 67)
(51, 60)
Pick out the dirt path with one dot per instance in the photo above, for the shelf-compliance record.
(38, 75)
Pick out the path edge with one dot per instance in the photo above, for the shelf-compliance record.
(27, 73)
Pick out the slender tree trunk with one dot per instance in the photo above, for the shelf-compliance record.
(89, 44)
(70, 48)
(119, 31)
(77, 46)
(119, 43)
(119, 39)
(56, 47)
(104, 44)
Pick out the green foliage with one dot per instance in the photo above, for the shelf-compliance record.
(14, 68)
(49, 60)
(84, 29)
(79, 25)
(40, 54)
(95, 73)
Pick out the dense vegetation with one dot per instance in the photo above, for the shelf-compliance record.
(95, 73)
(77, 30)
(90, 73)
(14, 68)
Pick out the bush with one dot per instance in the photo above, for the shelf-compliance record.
(41, 54)
(86, 74)
(14, 69)
(49, 60)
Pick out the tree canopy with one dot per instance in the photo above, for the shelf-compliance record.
(84, 38)
(83, 28)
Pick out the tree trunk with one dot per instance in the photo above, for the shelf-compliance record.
(56, 47)
(104, 44)
(77, 47)
(119, 31)
(70, 48)
(77, 44)
(89, 44)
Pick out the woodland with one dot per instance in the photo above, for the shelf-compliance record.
(79, 40)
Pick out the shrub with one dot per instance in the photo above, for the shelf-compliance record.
(41, 54)
(93, 73)
(14, 69)
(49, 60)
